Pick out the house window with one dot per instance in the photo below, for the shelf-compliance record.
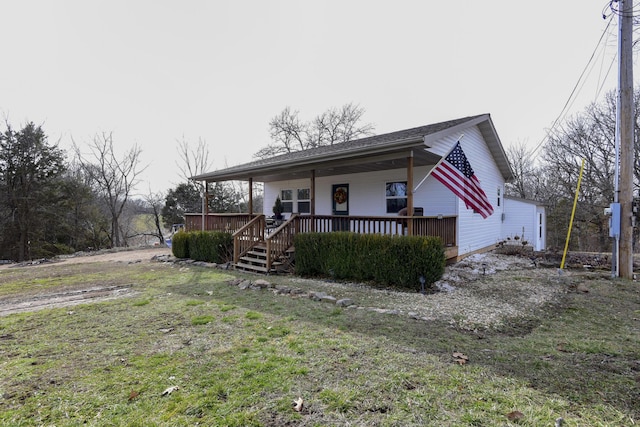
(396, 196)
(286, 196)
(304, 200)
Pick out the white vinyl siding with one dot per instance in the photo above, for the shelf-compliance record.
(524, 219)
(474, 232)
(367, 193)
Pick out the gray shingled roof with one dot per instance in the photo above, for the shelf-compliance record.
(373, 144)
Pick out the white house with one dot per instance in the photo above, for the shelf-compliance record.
(362, 186)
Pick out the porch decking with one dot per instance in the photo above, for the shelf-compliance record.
(257, 250)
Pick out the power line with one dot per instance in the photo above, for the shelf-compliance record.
(578, 83)
(603, 81)
(612, 7)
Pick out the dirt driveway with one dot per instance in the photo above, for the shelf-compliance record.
(69, 296)
(129, 255)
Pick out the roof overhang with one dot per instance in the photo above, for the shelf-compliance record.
(488, 131)
(361, 159)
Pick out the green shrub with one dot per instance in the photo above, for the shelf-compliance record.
(208, 246)
(386, 260)
(180, 244)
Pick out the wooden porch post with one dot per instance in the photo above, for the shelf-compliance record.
(312, 202)
(205, 205)
(250, 196)
(410, 194)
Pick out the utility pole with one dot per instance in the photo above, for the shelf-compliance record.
(626, 125)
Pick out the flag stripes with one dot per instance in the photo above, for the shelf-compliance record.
(455, 173)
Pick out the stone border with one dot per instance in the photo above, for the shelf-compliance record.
(262, 284)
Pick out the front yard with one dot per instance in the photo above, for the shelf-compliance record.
(183, 347)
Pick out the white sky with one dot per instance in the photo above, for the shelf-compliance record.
(155, 71)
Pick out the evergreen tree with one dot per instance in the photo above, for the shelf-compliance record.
(29, 172)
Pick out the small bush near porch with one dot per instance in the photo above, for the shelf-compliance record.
(397, 261)
(208, 246)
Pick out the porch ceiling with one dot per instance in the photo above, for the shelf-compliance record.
(365, 163)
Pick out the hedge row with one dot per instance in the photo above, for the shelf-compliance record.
(397, 261)
(208, 246)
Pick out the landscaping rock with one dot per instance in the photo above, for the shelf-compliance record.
(245, 284)
(317, 296)
(263, 284)
(345, 302)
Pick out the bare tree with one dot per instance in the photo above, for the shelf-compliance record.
(155, 201)
(525, 183)
(194, 161)
(589, 136)
(186, 197)
(288, 134)
(113, 178)
(336, 125)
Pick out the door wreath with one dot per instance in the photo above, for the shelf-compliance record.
(340, 196)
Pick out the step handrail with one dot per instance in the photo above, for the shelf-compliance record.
(281, 239)
(248, 236)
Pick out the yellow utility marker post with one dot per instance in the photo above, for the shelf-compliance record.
(573, 212)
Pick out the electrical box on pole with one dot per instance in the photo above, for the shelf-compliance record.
(613, 211)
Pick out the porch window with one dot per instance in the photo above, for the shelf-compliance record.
(396, 196)
(286, 196)
(304, 200)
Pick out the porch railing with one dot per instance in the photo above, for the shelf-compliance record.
(248, 236)
(250, 230)
(281, 239)
(228, 222)
(253, 233)
(441, 226)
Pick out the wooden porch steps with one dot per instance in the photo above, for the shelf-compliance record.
(255, 261)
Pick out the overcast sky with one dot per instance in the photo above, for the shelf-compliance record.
(155, 71)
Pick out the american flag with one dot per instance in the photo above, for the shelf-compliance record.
(455, 172)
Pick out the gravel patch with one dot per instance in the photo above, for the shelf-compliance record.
(483, 291)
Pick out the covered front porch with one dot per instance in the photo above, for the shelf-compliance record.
(379, 184)
(260, 248)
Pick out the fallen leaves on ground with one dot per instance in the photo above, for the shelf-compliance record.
(460, 358)
(515, 416)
